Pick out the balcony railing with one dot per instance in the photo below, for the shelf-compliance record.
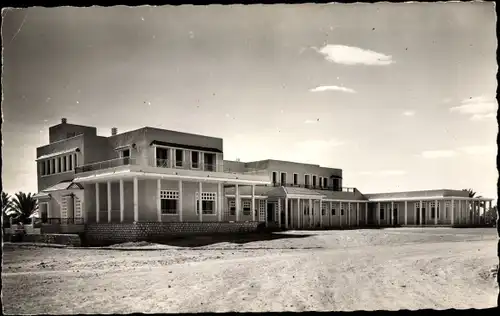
(314, 187)
(106, 164)
(214, 167)
(64, 221)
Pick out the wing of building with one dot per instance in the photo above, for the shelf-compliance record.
(155, 175)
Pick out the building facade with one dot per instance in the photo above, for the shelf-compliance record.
(156, 175)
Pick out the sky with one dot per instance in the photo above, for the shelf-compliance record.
(399, 96)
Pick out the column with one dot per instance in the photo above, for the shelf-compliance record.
(299, 224)
(489, 205)
(109, 201)
(219, 204)
(286, 212)
(437, 209)
(452, 209)
(253, 206)
(180, 200)
(330, 214)
(278, 205)
(392, 213)
(406, 213)
(348, 214)
(97, 206)
(136, 199)
(340, 213)
(310, 212)
(237, 202)
(122, 202)
(420, 209)
(200, 201)
(357, 214)
(321, 213)
(171, 158)
(366, 213)
(158, 197)
(378, 213)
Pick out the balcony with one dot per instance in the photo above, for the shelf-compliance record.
(315, 187)
(211, 167)
(113, 163)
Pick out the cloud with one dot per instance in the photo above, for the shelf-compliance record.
(332, 88)
(447, 100)
(348, 55)
(479, 149)
(409, 113)
(479, 108)
(384, 173)
(432, 154)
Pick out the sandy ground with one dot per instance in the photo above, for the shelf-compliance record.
(386, 269)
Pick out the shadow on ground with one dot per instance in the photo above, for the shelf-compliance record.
(200, 241)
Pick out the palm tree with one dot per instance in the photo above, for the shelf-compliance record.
(6, 208)
(24, 205)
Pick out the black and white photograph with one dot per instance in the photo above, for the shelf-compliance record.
(249, 158)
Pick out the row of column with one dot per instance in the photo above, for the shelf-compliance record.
(218, 204)
(311, 210)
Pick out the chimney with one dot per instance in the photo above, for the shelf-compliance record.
(114, 131)
(64, 120)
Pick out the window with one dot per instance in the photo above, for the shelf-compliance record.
(323, 209)
(306, 179)
(169, 202)
(64, 164)
(314, 181)
(306, 209)
(382, 212)
(52, 166)
(70, 163)
(247, 207)
(207, 201)
(283, 178)
(232, 207)
(275, 177)
(41, 165)
(342, 212)
(295, 179)
(162, 157)
(333, 211)
(320, 183)
(325, 182)
(126, 153)
(434, 209)
(179, 155)
(209, 161)
(195, 157)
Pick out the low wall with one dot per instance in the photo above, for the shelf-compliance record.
(59, 239)
(104, 234)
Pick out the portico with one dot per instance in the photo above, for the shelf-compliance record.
(139, 196)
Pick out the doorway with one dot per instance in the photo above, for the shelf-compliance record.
(270, 212)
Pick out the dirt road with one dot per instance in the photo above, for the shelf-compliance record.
(349, 270)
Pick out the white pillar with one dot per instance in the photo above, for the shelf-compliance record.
(253, 205)
(109, 201)
(378, 213)
(278, 205)
(406, 213)
(171, 158)
(436, 210)
(392, 213)
(180, 200)
(310, 212)
(330, 214)
(136, 199)
(452, 212)
(340, 213)
(348, 214)
(200, 201)
(286, 212)
(219, 200)
(122, 202)
(366, 213)
(158, 197)
(237, 202)
(97, 206)
(299, 224)
(357, 214)
(420, 210)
